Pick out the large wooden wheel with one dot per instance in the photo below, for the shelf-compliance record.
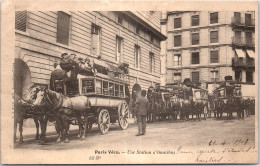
(123, 115)
(103, 121)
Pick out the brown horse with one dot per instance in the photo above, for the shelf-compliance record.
(64, 108)
(23, 109)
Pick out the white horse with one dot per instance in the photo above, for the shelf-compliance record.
(64, 107)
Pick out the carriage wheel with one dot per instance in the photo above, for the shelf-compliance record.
(103, 121)
(205, 111)
(123, 115)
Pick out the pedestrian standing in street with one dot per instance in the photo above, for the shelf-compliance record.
(141, 108)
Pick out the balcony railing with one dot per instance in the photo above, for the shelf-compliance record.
(242, 21)
(214, 79)
(243, 42)
(243, 62)
(238, 41)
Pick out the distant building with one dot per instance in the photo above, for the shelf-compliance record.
(130, 37)
(206, 46)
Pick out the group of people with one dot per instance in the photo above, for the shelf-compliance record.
(67, 70)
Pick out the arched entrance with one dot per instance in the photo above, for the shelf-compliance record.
(22, 78)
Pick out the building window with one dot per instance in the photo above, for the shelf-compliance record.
(120, 20)
(195, 77)
(214, 56)
(249, 37)
(195, 20)
(249, 77)
(238, 34)
(214, 18)
(195, 58)
(195, 38)
(177, 41)
(177, 78)
(63, 27)
(137, 56)
(238, 75)
(95, 39)
(177, 23)
(20, 20)
(177, 59)
(214, 76)
(151, 62)
(119, 48)
(248, 19)
(137, 30)
(213, 36)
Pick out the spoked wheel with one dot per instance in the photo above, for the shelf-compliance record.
(103, 121)
(123, 115)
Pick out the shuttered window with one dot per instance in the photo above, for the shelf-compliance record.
(63, 27)
(177, 23)
(177, 41)
(137, 56)
(152, 62)
(177, 78)
(214, 18)
(195, 77)
(213, 36)
(214, 76)
(176, 59)
(249, 77)
(20, 20)
(195, 58)
(195, 38)
(95, 40)
(214, 56)
(119, 43)
(195, 20)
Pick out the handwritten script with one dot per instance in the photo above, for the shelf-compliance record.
(213, 151)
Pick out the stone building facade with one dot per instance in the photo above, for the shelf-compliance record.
(206, 46)
(114, 37)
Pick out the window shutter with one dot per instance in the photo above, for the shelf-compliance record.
(63, 26)
(20, 20)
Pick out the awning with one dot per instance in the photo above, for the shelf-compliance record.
(251, 53)
(240, 53)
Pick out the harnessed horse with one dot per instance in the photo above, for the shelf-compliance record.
(63, 109)
(24, 109)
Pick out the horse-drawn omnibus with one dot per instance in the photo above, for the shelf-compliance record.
(200, 98)
(94, 94)
(108, 98)
(228, 98)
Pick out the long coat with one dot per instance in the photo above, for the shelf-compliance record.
(141, 105)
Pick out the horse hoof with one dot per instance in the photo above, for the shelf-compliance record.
(78, 136)
(21, 141)
(66, 140)
(82, 138)
(58, 141)
(37, 138)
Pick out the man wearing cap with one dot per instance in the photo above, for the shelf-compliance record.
(141, 107)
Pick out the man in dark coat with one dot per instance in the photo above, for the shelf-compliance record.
(141, 108)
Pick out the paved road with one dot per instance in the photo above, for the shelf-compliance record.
(159, 134)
